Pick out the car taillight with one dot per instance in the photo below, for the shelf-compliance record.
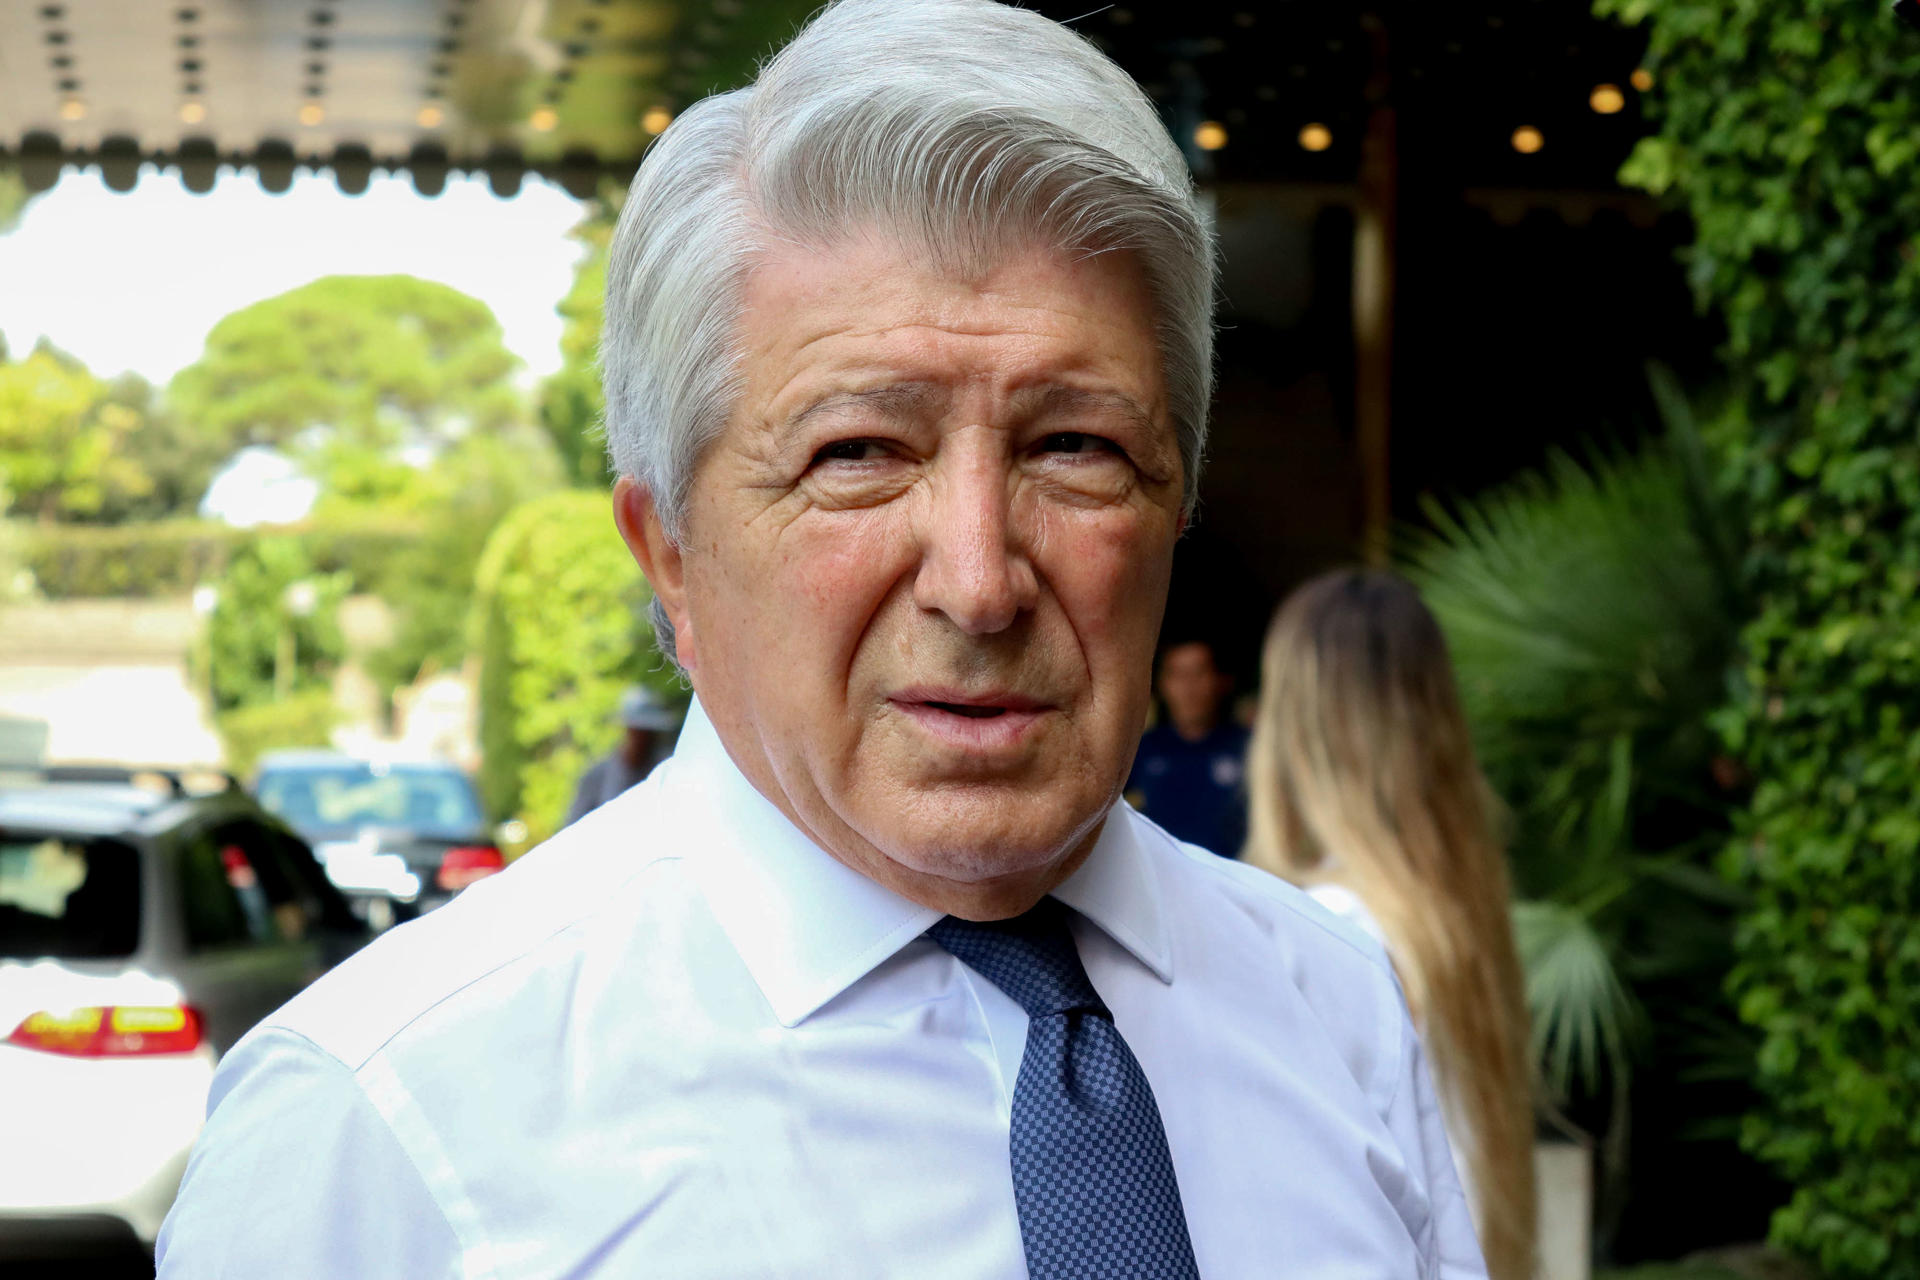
(111, 1031)
(461, 866)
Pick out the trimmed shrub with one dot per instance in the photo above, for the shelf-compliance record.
(247, 733)
(1790, 132)
(264, 641)
(162, 558)
(560, 625)
(171, 557)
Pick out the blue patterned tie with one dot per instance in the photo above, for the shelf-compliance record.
(1092, 1176)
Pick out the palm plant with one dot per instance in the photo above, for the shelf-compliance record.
(1591, 610)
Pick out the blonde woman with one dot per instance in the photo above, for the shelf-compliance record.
(1364, 789)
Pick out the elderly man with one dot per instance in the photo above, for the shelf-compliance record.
(907, 363)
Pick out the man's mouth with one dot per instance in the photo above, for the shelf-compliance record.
(972, 712)
(985, 721)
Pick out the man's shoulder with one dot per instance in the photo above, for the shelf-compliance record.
(1269, 933)
(1330, 960)
(1264, 902)
(540, 911)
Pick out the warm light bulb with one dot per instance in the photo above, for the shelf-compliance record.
(1316, 137)
(656, 120)
(192, 112)
(1641, 79)
(73, 109)
(1210, 135)
(544, 119)
(1527, 140)
(1606, 99)
(430, 117)
(312, 113)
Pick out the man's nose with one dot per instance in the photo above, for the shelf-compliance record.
(974, 564)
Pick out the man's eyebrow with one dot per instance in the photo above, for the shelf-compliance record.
(896, 400)
(1058, 398)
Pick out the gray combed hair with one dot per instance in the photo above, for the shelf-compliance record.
(958, 127)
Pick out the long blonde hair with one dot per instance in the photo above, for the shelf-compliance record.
(1362, 773)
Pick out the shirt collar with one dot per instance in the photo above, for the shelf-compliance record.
(807, 926)
(1118, 888)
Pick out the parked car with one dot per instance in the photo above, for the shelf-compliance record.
(397, 837)
(143, 930)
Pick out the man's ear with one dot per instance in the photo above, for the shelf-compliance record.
(659, 559)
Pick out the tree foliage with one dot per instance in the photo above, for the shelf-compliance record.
(560, 623)
(65, 439)
(1790, 132)
(274, 630)
(429, 582)
(13, 200)
(355, 372)
(572, 409)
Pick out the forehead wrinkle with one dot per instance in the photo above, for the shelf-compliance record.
(894, 400)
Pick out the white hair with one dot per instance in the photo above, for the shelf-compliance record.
(959, 126)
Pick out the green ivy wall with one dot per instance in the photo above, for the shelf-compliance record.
(1789, 132)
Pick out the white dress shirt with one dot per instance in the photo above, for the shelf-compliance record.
(681, 1040)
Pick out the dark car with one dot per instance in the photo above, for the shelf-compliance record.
(143, 930)
(397, 837)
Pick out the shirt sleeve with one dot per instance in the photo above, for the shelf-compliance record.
(1454, 1251)
(297, 1174)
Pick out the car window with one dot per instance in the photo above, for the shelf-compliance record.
(68, 898)
(224, 904)
(240, 887)
(294, 910)
(327, 909)
(340, 799)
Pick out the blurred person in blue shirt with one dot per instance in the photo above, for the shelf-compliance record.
(647, 726)
(1190, 772)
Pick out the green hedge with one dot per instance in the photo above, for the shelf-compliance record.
(560, 625)
(303, 720)
(1790, 131)
(164, 558)
(171, 557)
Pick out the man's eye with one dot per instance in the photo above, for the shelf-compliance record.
(1077, 442)
(851, 451)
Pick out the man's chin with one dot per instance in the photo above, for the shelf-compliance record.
(1003, 869)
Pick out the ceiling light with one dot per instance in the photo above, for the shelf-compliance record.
(73, 109)
(1606, 99)
(1527, 140)
(430, 117)
(312, 113)
(656, 120)
(1316, 137)
(1641, 79)
(1210, 135)
(192, 112)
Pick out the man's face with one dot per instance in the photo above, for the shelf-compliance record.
(925, 563)
(1192, 687)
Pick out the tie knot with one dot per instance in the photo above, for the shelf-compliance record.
(1030, 957)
